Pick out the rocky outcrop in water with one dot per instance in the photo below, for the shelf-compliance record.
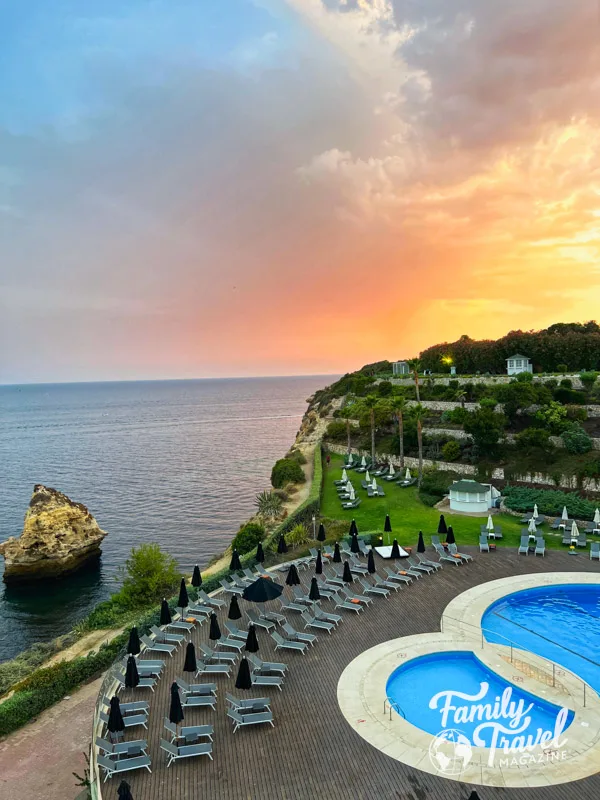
(58, 537)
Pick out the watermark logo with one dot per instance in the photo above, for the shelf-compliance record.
(502, 724)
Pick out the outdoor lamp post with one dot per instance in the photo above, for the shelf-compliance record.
(314, 521)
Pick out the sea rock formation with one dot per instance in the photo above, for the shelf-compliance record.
(58, 537)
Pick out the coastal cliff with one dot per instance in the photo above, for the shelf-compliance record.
(58, 537)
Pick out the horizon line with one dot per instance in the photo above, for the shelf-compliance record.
(172, 380)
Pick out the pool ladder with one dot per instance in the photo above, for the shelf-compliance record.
(392, 705)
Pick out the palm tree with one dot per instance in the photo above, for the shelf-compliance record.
(419, 413)
(460, 395)
(398, 408)
(415, 366)
(269, 504)
(346, 413)
(370, 403)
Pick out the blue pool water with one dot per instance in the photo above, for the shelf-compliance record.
(485, 707)
(560, 623)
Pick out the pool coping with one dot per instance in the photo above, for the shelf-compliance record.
(361, 694)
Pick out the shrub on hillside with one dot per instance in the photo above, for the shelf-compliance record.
(576, 440)
(451, 450)
(588, 379)
(299, 535)
(297, 455)
(562, 368)
(248, 536)
(577, 413)
(549, 501)
(533, 437)
(566, 383)
(336, 431)
(286, 470)
(436, 484)
(566, 396)
(149, 575)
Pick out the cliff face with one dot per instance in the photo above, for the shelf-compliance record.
(58, 537)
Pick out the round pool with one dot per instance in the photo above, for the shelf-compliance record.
(560, 623)
(456, 692)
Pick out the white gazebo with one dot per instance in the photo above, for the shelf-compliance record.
(518, 363)
(470, 496)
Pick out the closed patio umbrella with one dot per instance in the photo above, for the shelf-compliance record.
(321, 534)
(244, 678)
(353, 528)
(251, 640)
(352, 494)
(196, 577)
(387, 526)
(124, 791)
(565, 513)
(371, 562)
(262, 590)
(183, 600)
(281, 545)
(392, 471)
(421, 543)
(597, 516)
(175, 710)
(490, 523)
(115, 722)
(407, 475)
(395, 549)
(473, 795)
(344, 475)
(133, 646)
(574, 530)
(531, 527)
(260, 555)
(363, 462)
(190, 665)
(292, 578)
(314, 593)
(215, 632)
(367, 476)
(235, 562)
(535, 511)
(319, 564)
(354, 546)
(374, 485)
(234, 608)
(337, 557)
(450, 536)
(347, 574)
(442, 528)
(132, 677)
(165, 613)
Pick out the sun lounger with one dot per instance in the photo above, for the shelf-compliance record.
(229, 641)
(258, 679)
(401, 576)
(122, 748)
(231, 588)
(265, 667)
(404, 483)
(384, 583)
(341, 602)
(207, 600)
(235, 632)
(180, 624)
(352, 597)
(199, 701)
(270, 616)
(144, 683)
(146, 667)
(286, 644)
(199, 611)
(212, 669)
(484, 546)
(417, 565)
(200, 689)
(353, 504)
(112, 767)
(175, 752)
(248, 705)
(136, 707)
(297, 636)
(540, 546)
(265, 624)
(379, 591)
(200, 731)
(582, 540)
(333, 578)
(300, 596)
(242, 720)
(566, 539)
(435, 541)
(169, 638)
(159, 647)
(595, 550)
(378, 492)
(524, 546)
(453, 550)
(325, 589)
(326, 616)
(317, 624)
(216, 655)
(447, 557)
(356, 568)
(426, 562)
(130, 720)
(290, 605)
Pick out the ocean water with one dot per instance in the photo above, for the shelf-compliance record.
(173, 462)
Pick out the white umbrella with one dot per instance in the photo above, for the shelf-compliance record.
(367, 477)
(597, 516)
(363, 462)
(391, 469)
(407, 475)
(531, 527)
(344, 475)
(351, 493)
(574, 531)
(374, 485)
(535, 511)
(565, 513)
(490, 523)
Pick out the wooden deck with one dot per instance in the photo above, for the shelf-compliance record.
(312, 751)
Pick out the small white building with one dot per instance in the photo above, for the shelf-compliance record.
(518, 363)
(471, 496)
(400, 368)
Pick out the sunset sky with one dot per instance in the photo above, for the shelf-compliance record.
(255, 187)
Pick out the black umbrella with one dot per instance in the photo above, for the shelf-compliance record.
(347, 575)
(132, 677)
(260, 556)
(235, 562)
(371, 562)
(124, 791)
(115, 718)
(165, 613)
(183, 600)
(319, 564)
(473, 795)
(354, 547)
(387, 527)
(282, 546)
(214, 632)
(196, 577)
(292, 578)
(234, 609)
(133, 646)
(450, 536)
(190, 665)
(442, 525)
(175, 709)
(321, 534)
(353, 528)
(262, 590)
(421, 544)
(251, 640)
(314, 593)
(244, 679)
(337, 557)
(395, 549)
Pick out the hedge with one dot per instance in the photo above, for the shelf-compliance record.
(549, 501)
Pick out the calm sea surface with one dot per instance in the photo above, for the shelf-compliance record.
(173, 462)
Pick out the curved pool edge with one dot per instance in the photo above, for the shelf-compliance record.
(361, 694)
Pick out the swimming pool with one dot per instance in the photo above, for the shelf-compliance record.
(560, 623)
(455, 691)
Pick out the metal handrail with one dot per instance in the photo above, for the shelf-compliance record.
(393, 705)
(513, 644)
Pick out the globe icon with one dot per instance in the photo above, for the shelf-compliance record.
(450, 752)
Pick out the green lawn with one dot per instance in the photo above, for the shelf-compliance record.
(409, 515)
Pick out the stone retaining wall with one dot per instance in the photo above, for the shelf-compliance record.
(458, 433)
(488, 379)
